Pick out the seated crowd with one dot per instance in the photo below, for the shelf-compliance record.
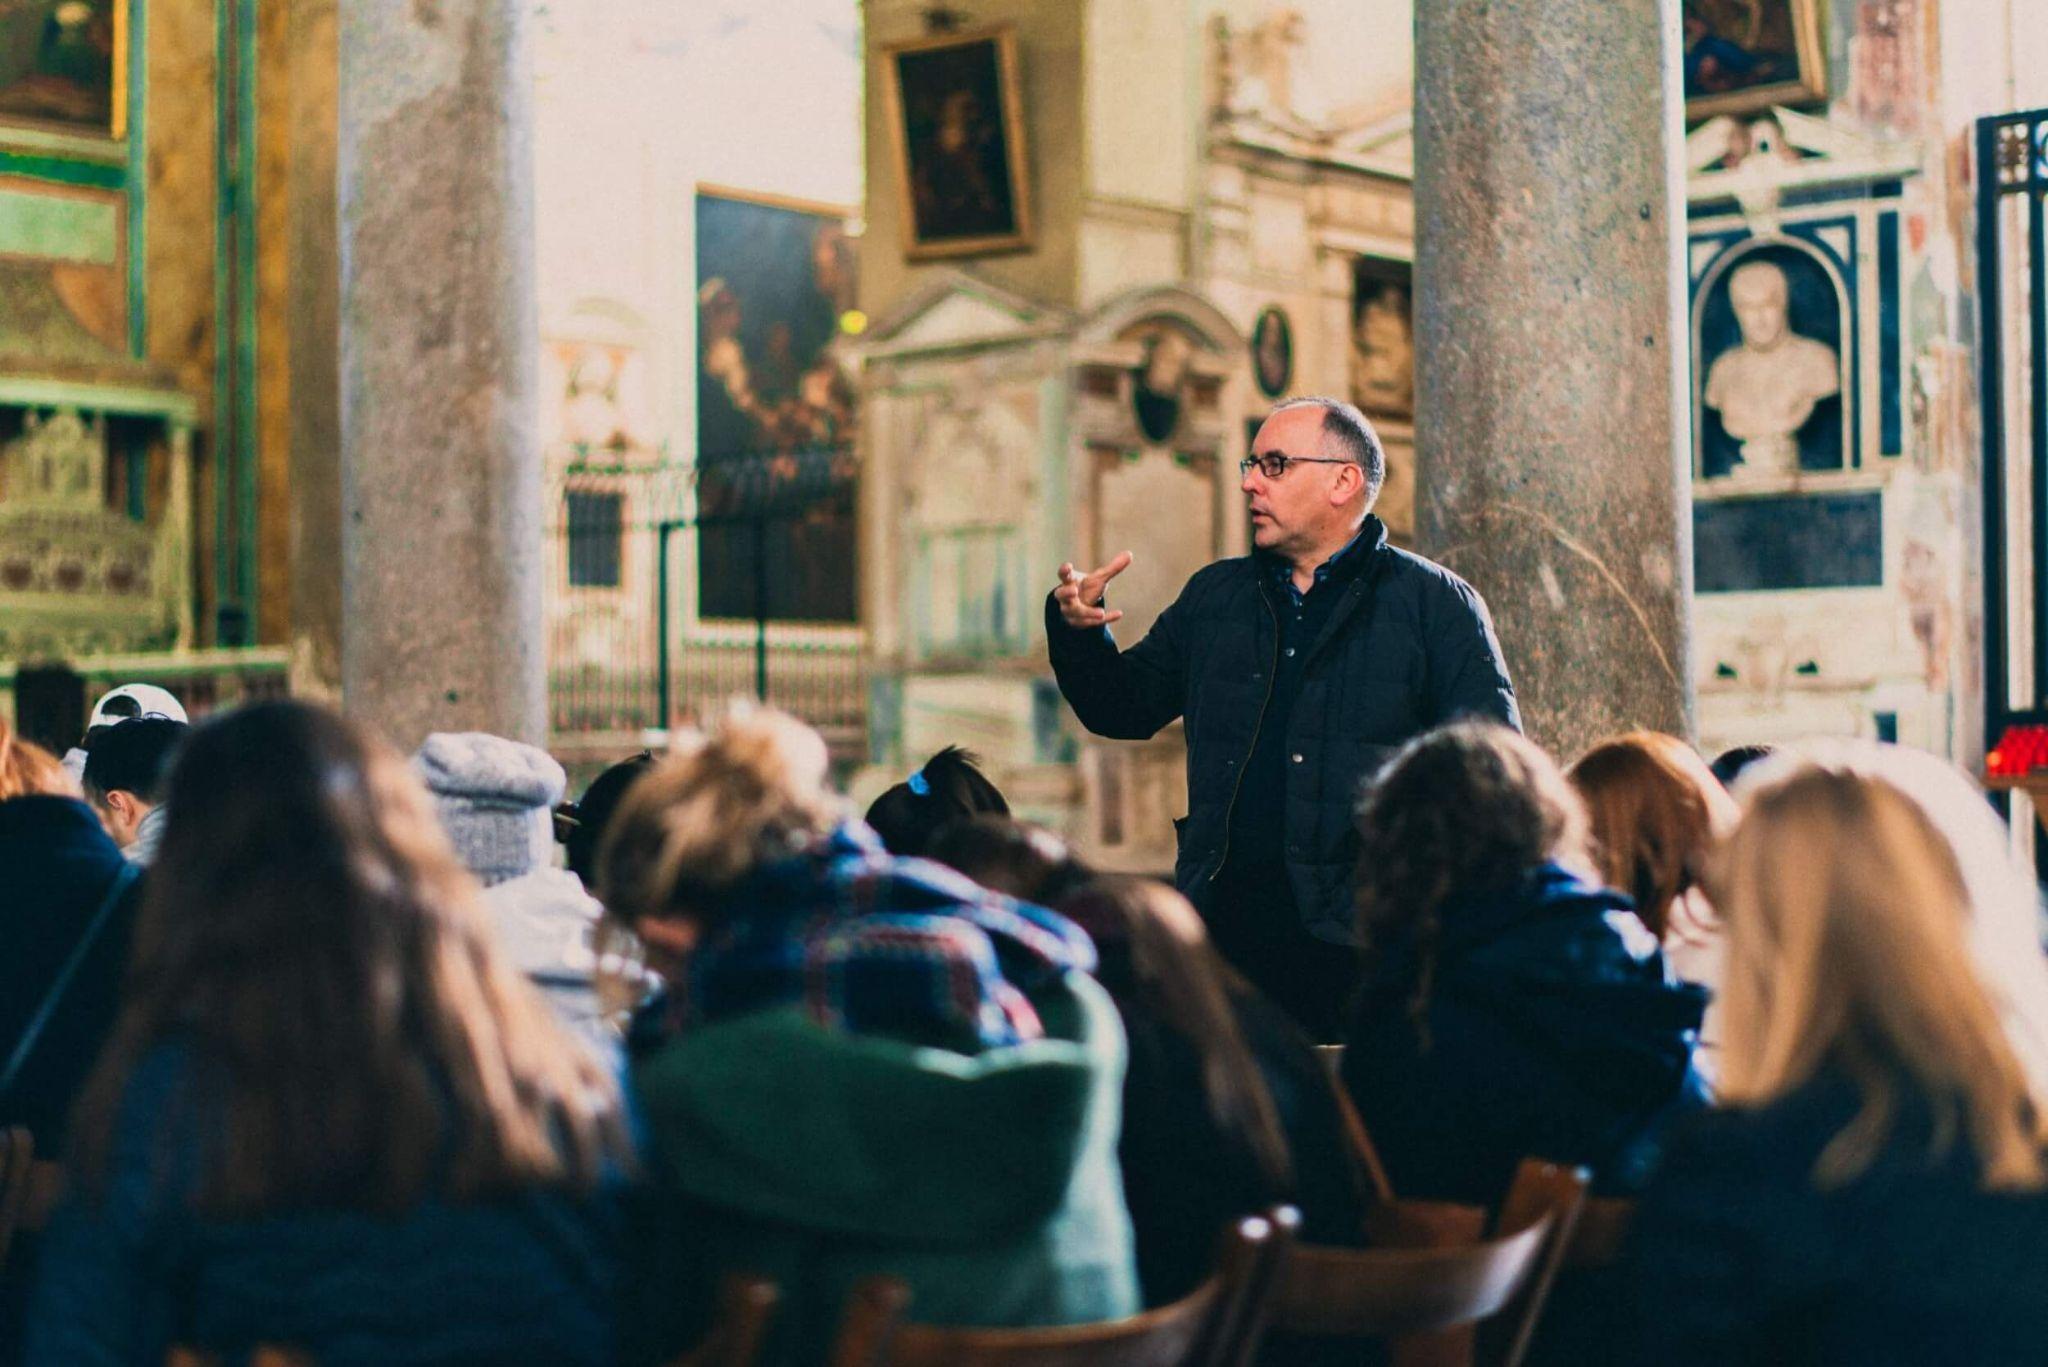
(338, 1056)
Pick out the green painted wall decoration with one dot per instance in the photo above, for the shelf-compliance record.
(59, 228)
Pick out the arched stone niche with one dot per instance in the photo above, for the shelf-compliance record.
(1155, 392)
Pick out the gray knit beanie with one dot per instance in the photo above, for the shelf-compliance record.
(495, 798)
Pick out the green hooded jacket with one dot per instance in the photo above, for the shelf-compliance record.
(815, 1158)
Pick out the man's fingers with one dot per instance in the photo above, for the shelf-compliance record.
(1112, 616)
(1068, 574)
(1113, 568)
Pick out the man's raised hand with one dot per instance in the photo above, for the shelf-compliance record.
(1080, 595)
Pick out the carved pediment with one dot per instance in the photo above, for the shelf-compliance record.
(957, 311)
(1755, 161)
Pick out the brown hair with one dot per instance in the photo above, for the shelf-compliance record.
(1872, 928)
(309, 931)
(1463, 811)
(1012, 857)
(750, 790)
(1156, 954)
(28, 770)
(1656, 811)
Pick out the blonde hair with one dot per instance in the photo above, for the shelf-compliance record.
(1657, 810)
(1876, 925)
(749, 790)
(28, 770)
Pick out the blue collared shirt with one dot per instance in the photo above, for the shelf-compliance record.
(1284, 572)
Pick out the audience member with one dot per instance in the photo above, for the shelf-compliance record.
(948, 788)
(1014, 858)
(495, 798)
(1228, 1108)
(1657, 811)
(115, 707)
(1730, 763)
(581, 825)
(331, 1116)
(124, 775)
(1511, 1007)
(1876, 1190)
(861, 1064)
(65, 918)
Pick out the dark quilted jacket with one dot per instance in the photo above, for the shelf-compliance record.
(1409, 646)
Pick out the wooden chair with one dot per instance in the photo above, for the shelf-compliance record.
(1218, 1324)
(1602, 1229)
(745, 1307)
(1472, 1302)
(29, 1188)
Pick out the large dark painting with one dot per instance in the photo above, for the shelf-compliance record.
(1743, 55)
(62, 65)
(774, 411)
(959, 139)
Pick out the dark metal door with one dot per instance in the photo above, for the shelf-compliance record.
(2012, 202)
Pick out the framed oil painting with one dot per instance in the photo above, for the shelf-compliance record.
(64, 66)
(1383, 337)
(775, 408)
(1745, 55)
(1272, 352)
(952, 105)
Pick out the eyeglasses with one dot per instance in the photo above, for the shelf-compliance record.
(1274, 464)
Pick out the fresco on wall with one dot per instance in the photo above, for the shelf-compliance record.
(775, 411)
(60, 64)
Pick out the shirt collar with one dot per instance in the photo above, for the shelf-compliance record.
(1284, 572)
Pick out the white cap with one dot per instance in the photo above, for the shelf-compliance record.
(149, 700)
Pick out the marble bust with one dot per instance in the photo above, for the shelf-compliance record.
(1766, 388)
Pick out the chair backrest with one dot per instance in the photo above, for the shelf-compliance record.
(17, 1158)
(1215, 1325)
(28, 1188)
(745, 1306)
(1597, 1238)
(1398, 1294)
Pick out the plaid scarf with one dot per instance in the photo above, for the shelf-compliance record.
(873, 944)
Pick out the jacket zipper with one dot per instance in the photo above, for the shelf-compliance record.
(1272, 669)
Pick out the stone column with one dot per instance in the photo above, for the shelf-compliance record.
(1551, 351)
(313, 257)
(441, 478)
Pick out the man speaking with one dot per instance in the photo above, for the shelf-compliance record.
(1298, 668)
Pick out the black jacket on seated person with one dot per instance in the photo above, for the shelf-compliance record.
(1738, 1256)
(1185, 1179)
(1552, 1031)
(57, 865)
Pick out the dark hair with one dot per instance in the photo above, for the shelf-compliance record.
(953, 787)
(1158, 964)
(1467, 810)
(1012, 857)
(121, 707)
(133, 756)
(581, 825)
(1353, 432)
(310, 934)
(1731, 762)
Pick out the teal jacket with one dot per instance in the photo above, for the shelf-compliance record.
(813, 1157)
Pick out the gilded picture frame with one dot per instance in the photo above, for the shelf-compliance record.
(956, 123)
(64, 68)
(1740, 56)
